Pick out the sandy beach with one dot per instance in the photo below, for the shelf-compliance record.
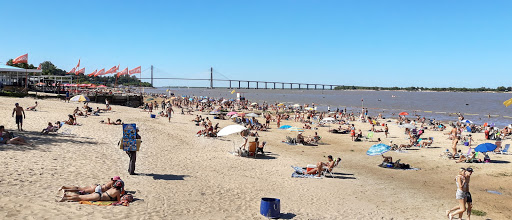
(182, 176)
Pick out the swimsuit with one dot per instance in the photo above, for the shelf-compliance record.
(19, 119)
(111, 199)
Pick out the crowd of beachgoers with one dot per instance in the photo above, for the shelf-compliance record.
(256, 119)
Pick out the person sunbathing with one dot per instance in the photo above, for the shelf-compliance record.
(112, 194)
(387, 159)
(467, 159)
(71, 120)
(78, 112)
(320, 166)
(49, 129)
(8, 138)
(117, 122)
(32, 108)
(92, 188)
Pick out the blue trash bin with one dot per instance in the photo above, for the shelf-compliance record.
(270, 207)
(153, 116)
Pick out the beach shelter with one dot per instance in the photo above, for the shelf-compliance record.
(204, 100)
(485, 147)
(231, 129)
(254, 103)
(80, 98)
(295, 129)
(231, 113)
(403, 113)
(296, 105)
(240, 114)
(378, 149)
(310, 109)
(102, 86)
(285, 127)
(93, 86)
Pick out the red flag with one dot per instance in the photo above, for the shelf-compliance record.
(101, 72)
(111, 70)
(135, 70)
(93, 73)
(124, 72)
(78, 65)
(80, 71)
(117, 69)
(39, 67)
(21, 59)
(72, 70)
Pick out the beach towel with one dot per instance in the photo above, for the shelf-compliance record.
(98, 203)
(299, 173)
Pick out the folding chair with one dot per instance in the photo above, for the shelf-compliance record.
(326, 170)
(505, 150)
(252, 149)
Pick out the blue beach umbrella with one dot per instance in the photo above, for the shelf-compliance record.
(285, 127)
(486, 147)
(191, 99)
(378, 149)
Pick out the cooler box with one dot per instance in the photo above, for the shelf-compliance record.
(310, 167)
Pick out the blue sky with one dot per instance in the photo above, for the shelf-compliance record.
(368, 43)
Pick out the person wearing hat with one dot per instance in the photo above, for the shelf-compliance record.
(300, 138)
(92, 188)
(469, 200)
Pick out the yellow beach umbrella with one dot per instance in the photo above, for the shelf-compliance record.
(508, 102)
(280, 104)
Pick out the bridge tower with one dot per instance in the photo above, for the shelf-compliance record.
(152, 76)
(211, 77)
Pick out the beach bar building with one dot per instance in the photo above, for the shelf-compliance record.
(14, 78)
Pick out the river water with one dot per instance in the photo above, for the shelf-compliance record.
(438, 105)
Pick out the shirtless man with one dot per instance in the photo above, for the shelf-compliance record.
(20, 115)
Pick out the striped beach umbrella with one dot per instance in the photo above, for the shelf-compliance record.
(378, 149)
(79, 98)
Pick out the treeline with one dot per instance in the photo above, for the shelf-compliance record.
(412, 88)
(48, 68)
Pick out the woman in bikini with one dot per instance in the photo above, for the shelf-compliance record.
(460, 195)
(92, 188)
(113, 194)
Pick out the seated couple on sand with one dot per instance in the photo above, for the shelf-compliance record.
(388, 163)
(320, 167)
(111, 191)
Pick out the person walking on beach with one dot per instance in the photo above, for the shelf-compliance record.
(133, 157)
(386, 130)
(169, 111)
(20, 115)
(460, 195)
(469, 200)
(67, 97)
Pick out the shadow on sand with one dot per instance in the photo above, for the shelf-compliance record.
(36, 139)
(165, 176)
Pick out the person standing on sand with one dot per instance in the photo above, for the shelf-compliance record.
(20, 115)
(386, 130)
(133, 157)
(469, 200)
(169, 111)
(460, 195)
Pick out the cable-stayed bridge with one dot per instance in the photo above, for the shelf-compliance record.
(243, 84)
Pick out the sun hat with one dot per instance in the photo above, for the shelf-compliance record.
(469, 169)
(116, 178)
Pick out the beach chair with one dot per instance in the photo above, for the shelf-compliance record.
(326, 170)
(369, 136)
(505, 150)
(251, 150)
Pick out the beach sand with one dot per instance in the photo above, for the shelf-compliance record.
(181, 176)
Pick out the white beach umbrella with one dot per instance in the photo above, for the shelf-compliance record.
(252, 115)
(328, 120)
(410, 126)
(231, 129)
